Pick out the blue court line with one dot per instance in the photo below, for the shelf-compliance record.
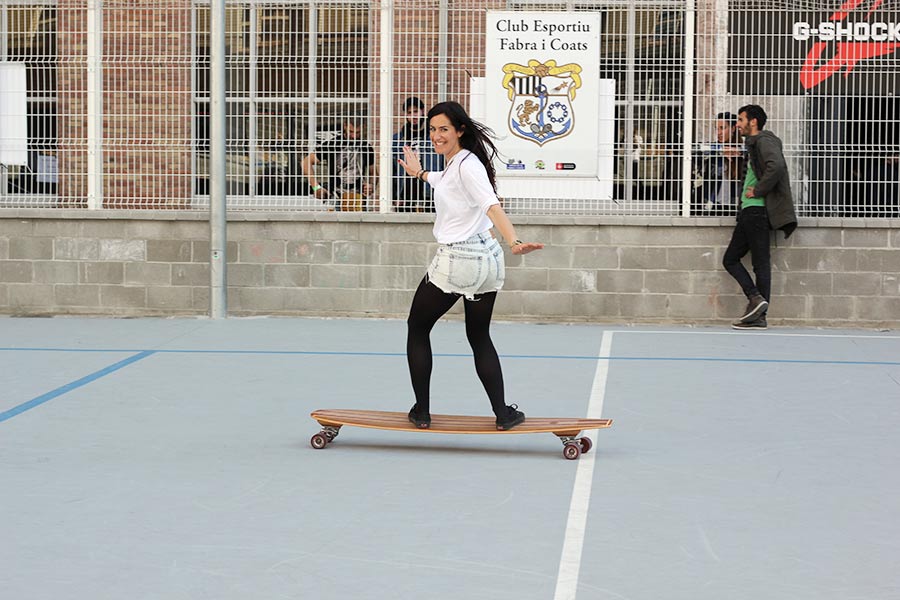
(9, 414)
(797, 361)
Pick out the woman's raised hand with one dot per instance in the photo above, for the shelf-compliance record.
(410, 162)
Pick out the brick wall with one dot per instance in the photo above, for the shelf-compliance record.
(146, 104)
(71, 103)
(627, 270)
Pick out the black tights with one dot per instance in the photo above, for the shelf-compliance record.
(429, 305)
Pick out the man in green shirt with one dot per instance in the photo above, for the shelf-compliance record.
(766, 203)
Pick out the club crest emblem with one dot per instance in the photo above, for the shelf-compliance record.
(542, 99)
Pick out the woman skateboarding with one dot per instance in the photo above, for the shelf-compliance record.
(469, 260)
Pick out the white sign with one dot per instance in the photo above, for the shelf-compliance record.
(13, 114)
(542, 92)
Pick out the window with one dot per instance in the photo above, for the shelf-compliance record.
(292, 73)
(29, 37)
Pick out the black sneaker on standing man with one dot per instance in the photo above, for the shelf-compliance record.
(766, 203)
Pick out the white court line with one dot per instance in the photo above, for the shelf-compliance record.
(570, 561)
(767, 333)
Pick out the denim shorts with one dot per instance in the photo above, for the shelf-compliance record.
(473, 266)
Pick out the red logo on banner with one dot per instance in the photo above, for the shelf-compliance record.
(847, 54)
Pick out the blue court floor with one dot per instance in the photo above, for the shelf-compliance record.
(169, 459)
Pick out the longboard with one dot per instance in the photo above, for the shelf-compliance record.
(567, 430)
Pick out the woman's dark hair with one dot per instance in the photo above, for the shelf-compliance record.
(728, 117)
(476, 138)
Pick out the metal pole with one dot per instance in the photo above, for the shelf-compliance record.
(443, 49)
(252, 113)
(629, 148)
(95, 104)
(4, 52)
(4, 26)
(690, 15)
(217, 203)
(386, 83)
(312, 112)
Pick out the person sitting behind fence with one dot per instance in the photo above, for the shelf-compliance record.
(352, 169)
(718, 170)
(413, 195)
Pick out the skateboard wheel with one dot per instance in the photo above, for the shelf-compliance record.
(571, 451)
(586, 444)
(318, 441)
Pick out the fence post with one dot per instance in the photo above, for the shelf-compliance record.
(386, 108)
(217, 183)
(95, 104)
(630, 148)
(690, 16)
(443, 51)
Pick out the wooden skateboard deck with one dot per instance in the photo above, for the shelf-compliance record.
(566, 429)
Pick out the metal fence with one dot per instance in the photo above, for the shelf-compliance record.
(114, 106)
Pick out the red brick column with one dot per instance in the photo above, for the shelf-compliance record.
(71, 102)
(146, 103)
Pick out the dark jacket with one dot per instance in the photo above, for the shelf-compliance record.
(773, 181)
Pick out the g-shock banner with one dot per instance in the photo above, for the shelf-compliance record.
(830, 52)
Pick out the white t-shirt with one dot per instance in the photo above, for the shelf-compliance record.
(462, 197)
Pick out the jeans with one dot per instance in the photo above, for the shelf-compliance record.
(751, 234)
(473, 266)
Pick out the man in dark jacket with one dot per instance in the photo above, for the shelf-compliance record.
(766, 203)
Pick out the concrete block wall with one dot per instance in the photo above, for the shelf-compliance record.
(625, 270)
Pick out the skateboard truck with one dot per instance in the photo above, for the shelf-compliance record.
(574, 446)
(324, 437)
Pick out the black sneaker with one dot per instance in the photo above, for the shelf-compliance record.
(420, 421)
(758, 323)
(756, 307)
(512, 418)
